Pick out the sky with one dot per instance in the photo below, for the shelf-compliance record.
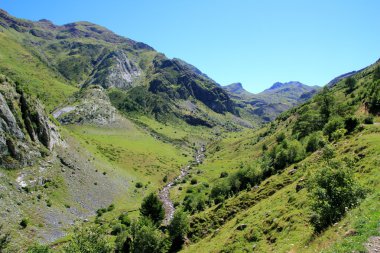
(253, 42)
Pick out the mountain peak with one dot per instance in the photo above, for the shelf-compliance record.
(278, 85)
(235, 88)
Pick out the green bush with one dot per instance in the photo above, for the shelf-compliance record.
(333, 125)
(24, 222)
(193, 181)
(333, 191)
(335, 136)
(315, 142)
(124, 219)
(223, 174)
(152, 208)
(351, 123)
(178, 229)
(37, 248)
(280, 137)
(89, 239)
(145, 237)
(368, 120)
(138, 185)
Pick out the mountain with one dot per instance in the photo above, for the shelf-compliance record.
(109, 146)
(268, 104)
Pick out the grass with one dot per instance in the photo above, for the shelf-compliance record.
(134, 155)
(38, 79)
(278, 222)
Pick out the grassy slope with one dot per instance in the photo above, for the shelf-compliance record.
(21, 65)
(278, 222)
(275, 214)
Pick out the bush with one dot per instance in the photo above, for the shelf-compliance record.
(280, 137)
(333, 191)
(315, 142)
(24, 223)
(118, 228)
(110, 208)
(333, 125)
(335, 136)
(124, 219)
(193, 181)
(351, 123)
(152, 208)
(138, 185)
(350, 84)
(178, 229)
(220, 191)
(195, 202)
(38, 249)
(145, 237)
(223, 174)
(89, 239)
(368, 120)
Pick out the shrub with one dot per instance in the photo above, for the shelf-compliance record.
(335, 136)
(351, 123)
(280, 137)
(220, 191)
(37, 248)
(110, 208)
(118, 228)
(315, 142)
(145, 237)
(368, 120)
(193, 181)
(152, 208)
(350, 84)
(333, 191)
(178, 229)
(124, 219)
(333, 125)
(138, 185)
(24, 223)
(88, 239)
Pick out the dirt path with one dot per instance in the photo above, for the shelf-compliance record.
(164, 194)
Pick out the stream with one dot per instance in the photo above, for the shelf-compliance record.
(164, 193)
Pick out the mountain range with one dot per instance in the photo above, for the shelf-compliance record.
(109, 146)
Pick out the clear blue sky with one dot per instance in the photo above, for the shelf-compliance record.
(253, 42)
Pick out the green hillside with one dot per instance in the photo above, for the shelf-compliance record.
(109, 146)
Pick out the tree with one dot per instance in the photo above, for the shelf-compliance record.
(89, 239)
(146, 238)
(315, 142)
(152, 208)
(326, 103)
(333, 125)
(333, 191)
(350, 83)
(178, 229)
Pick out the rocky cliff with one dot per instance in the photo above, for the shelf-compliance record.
(26, 133)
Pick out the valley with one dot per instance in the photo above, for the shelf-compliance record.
(110, 146)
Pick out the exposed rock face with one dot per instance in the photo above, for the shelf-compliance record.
(24, 127)
(179, 80)
(92, 106)
(116, 70)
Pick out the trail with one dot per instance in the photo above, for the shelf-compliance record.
(164, 194)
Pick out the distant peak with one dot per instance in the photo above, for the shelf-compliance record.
(278, 85)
